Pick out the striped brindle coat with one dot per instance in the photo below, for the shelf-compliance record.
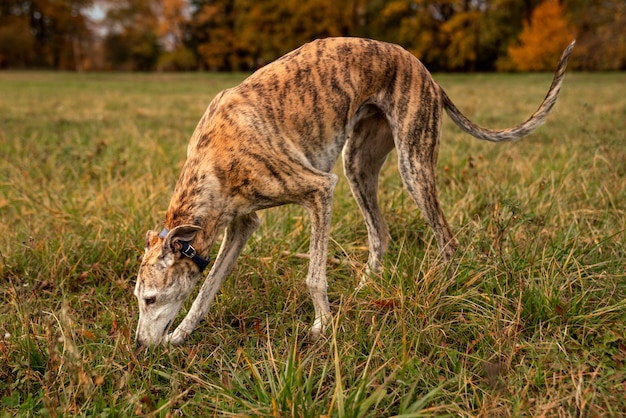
(274, 139)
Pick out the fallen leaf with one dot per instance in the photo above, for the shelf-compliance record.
(559, 310)
(88, 334)
(384, 303)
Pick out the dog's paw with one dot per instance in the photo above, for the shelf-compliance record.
(319, 326)
(366, 277)
(175, 338)
(363, 282)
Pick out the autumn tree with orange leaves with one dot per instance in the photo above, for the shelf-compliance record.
(543, 39)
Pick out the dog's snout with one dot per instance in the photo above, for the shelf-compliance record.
(150, 334)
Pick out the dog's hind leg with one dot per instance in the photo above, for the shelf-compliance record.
(363, 156)
(235, 239)
(417, 158)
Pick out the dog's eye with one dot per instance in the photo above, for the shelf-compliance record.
(150, 301)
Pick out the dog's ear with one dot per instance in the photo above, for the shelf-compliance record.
(151, 238)
(182, 233)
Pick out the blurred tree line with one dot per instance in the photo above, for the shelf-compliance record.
(182, 35)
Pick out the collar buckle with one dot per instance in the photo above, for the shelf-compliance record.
(187, 250)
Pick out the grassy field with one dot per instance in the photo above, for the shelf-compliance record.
(532, 323)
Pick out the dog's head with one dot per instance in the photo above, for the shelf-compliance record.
(166, 277)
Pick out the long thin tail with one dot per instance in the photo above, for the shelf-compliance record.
(512, 134)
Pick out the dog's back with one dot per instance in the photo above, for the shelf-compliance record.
(308, 99)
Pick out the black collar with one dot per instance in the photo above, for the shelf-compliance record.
(188, 251)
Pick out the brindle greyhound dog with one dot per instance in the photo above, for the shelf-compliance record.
(274, 139)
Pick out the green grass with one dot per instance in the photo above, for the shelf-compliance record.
(532, 323)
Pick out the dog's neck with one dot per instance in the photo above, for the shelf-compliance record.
(196, 201)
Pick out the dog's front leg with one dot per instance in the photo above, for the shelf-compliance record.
(235, 238)
(320, 205)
